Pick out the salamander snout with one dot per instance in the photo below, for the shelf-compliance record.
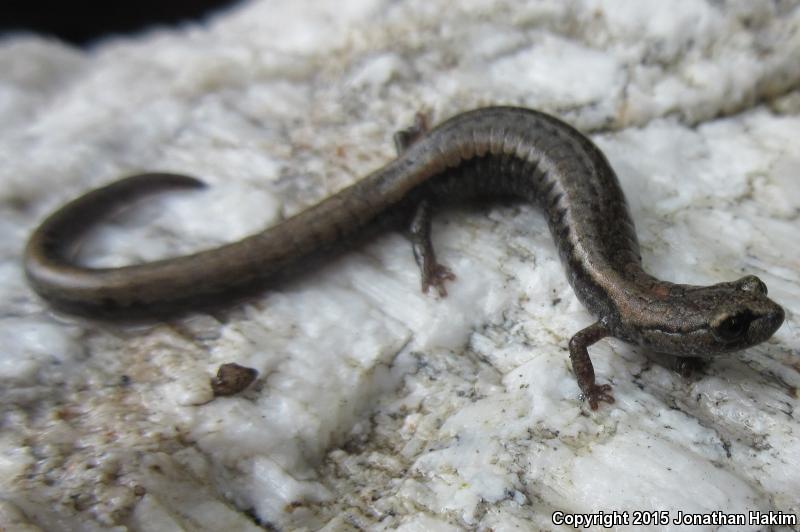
(763, 327)
(747, 316)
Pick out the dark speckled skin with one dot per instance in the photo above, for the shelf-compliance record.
(499, 151)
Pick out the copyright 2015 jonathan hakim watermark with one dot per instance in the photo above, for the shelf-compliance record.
(665, 517)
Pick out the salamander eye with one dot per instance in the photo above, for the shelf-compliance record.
(751, 283)
(731, 327)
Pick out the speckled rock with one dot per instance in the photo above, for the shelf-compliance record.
(376, 406)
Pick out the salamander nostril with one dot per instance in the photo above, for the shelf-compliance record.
(766, 326)
(777, 317)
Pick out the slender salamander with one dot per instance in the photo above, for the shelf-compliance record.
(496, 151)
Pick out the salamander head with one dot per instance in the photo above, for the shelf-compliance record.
(710, 320)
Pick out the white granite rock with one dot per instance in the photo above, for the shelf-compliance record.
(377, 406)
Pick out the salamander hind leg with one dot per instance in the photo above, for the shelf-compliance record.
(582, 364)
(433, 273)
(404, 138)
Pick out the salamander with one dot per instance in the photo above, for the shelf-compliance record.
(495, 151)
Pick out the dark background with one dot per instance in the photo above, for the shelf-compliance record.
(81, 22)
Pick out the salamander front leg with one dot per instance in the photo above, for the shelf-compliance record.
(582, 364)
(683, 366)
(433, 273)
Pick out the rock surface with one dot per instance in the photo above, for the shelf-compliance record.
(376, 406)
